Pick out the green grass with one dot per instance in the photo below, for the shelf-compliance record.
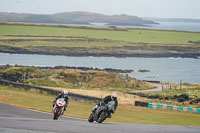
(147, 36)
(34, 100)
(194, 91)
(124, 114)
(30, 44)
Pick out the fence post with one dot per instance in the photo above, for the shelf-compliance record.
(180, 84)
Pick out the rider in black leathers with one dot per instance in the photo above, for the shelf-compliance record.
(106, 100)
(63, 94)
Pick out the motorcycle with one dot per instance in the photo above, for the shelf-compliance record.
(102, 112)
(58, 108)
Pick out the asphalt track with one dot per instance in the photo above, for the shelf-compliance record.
(18, 120)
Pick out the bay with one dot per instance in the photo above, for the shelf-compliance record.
(161, 69)
(179, 26)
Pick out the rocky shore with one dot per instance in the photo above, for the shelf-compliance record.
(83, 52)
(78, 68)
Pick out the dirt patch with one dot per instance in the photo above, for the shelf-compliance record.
(123, 98)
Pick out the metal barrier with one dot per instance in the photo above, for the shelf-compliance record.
(165, 106)
(50, 91)
(172, 107)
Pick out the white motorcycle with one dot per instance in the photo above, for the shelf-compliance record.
(58, 108)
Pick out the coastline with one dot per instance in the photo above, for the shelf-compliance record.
(117, 55)
(126, 43)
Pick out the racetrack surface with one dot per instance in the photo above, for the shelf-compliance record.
(18, 120)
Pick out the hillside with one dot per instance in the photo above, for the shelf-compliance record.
(75, 18)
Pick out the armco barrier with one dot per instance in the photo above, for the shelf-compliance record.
(189, 109)
(194, 110)
(50, 91)
(154, 105)
(142, 104)
(172, 107)
(180, 108)
(159, 106)
(169, 107)
(175, 107)
(185, 109)
(165, 106)
(150, 105)
(198, 110)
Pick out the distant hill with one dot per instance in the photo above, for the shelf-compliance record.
(75, 18)
(185, 20)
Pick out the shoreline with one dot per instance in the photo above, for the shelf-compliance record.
(116, 55)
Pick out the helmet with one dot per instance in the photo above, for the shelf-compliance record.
(65, 93)
(114, 96)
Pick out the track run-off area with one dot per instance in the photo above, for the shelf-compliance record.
(18, 120)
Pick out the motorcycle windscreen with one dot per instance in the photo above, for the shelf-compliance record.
(111, 105)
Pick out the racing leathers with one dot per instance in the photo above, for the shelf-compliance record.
(60, 95)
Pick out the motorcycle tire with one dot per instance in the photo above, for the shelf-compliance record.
(90, 119)
(102, 117)
(56, 115)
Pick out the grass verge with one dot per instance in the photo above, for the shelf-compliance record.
(125, 114)
(193, 92)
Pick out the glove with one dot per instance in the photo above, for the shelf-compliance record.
(102, 103)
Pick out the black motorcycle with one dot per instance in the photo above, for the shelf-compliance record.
(102, 112)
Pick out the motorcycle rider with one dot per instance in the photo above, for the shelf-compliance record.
(106, 100)
(63, 94)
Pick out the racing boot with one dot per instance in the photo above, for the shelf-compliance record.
(110, 115)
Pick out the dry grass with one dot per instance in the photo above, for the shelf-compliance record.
(123, 98)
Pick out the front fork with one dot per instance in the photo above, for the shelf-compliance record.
(54, 108)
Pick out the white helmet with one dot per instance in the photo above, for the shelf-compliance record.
(114, 96)
(65, 93)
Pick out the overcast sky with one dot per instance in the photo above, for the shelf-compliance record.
(140, 8)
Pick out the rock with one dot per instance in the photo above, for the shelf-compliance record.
(141, 70)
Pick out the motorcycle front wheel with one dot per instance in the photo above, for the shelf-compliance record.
(56, 115)
(102, 117)
(91, 119)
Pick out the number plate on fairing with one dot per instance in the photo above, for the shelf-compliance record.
(60, 102)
